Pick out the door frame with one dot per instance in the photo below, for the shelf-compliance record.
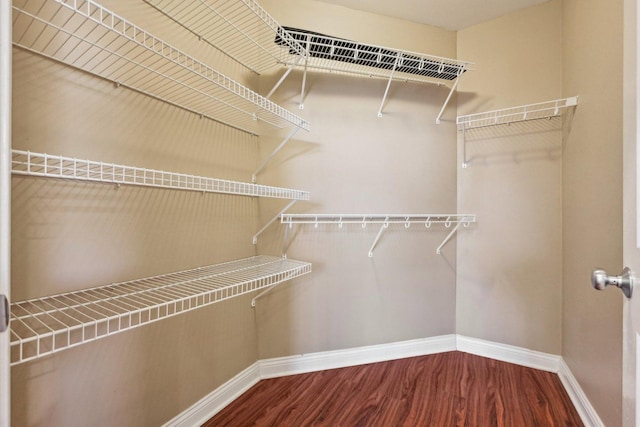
(5, 200)
(631, 209)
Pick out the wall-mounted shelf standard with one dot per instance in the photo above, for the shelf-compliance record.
(522, 113)
(47, 325)
(46, 165)
(426, 220)
(85, 35)
(345, 56)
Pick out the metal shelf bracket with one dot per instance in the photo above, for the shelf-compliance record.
(279, 215)
(264, 163)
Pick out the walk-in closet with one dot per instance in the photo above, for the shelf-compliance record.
(201, 195)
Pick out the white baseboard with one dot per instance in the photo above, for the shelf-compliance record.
(312, 362)
(217, 400)
(509, 353)
(587, 413)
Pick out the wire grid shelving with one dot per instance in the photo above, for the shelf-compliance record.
(85, 35)
(541, 110)
(242, 29)
(48, 325)
(333, 54)
(346, 56)
(427, 220)
(47, 165)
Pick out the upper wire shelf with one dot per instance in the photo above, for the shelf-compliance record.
(541, 110)
(340, 55)
(85, 35)
(240, 28)
(448, 220)
(47, 165)
(48, 325)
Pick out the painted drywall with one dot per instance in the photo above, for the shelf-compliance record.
(509, 278)
(74, 235)
(592, 200)
(355, 162)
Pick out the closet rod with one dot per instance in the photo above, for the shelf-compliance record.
(427, 220)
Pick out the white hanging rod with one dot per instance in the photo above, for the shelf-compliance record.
(541, 110)
(364, 219)
(85, 35)
(46, 165)
(385, 220)
(48, 325)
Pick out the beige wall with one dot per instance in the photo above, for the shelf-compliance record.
(509, 278)
(354, 162)
(592, 200)
(543, 191)
(73, 235)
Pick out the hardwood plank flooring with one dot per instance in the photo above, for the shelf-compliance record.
(446, 389)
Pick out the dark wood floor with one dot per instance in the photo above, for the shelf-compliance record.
(447, 389)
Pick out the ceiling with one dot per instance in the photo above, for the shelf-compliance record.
(448, 14)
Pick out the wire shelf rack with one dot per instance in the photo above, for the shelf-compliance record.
(48, 325)
(427, 220)
(47, 165)
(85, 35)
(541, 110)
(240, 28)
(340, 55)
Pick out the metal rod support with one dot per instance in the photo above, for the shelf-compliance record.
(264, 163)
(255, 237)
(375, 242)
(284, 76)
(386, 91)
(446, 239)
(453, 88)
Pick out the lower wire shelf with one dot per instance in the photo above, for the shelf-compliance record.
(48, 325)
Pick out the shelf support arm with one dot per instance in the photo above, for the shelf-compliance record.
(464, 149)
(284, 76)
(304, 74)
(270, 288)
(268, 159)
(453, 88)
(446, 239)
(386, 91)
(375, 242)
(255, 236)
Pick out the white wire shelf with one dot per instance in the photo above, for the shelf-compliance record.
(240, 28)
(541, 110)
(85, 35)
(333, 54)
(48, 325)
(340, 55)
(426, 220)
(46, 165)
